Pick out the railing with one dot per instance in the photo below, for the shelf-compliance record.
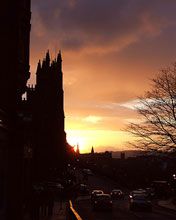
(72, 214)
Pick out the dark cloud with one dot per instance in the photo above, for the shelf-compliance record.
(99, 23)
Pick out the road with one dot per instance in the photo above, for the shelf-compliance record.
(120, 208)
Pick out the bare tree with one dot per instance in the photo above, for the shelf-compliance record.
(157, 108)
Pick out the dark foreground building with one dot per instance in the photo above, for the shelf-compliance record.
(43, 110)
(14, 72)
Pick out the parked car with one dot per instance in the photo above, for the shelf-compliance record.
(150, 192)
(138, 192)
(102, 202)
(84, 189)
(87, 172)
(117, 194)
(38, 187)
(54, 187)
(95, 193)
(140, 201)
(162, 189)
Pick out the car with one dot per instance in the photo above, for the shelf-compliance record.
(140, 201)
(95, 193)
(84, 189)
(54, 187)
(87, 172)
(161, 188)
(38, 187)
(102, 202)
(150, 192)
(137, 192)
(117, 194)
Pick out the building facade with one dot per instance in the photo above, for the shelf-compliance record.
(14, 73)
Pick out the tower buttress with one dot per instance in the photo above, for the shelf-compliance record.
(39, 67)
(59, 57)
(38, 72)
(59, 61)
(47, 59)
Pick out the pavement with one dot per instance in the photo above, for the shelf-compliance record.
(169, 204)
(59, 212)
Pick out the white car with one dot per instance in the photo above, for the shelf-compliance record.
(95, 193)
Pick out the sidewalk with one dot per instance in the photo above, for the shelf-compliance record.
(167, 204)
(59, 212)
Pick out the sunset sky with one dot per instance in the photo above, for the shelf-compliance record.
(111, 49)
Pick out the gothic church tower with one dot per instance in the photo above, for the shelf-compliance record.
(49, 116)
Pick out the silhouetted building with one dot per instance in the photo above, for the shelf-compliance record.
(77, 150)
(3, 149)
(14, 72)
(122, 155)
(15, 36)
(43, 110)
(96, 156)
(50, 137)
(92, 150)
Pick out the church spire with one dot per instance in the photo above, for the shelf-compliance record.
(77, 150)
(92, 150)
(39, 67)
(59, 61)
(47, 58)
(59, 57)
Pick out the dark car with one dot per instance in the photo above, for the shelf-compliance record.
(150, 192)
(84, 189)
(140, 192)
(95, 193)
(162, 189)
(140, 201)
(102, 202)
(54, 187)
(117, 194)
(87, 172)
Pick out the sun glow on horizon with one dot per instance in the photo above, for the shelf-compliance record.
(101, 140)
(76, 141)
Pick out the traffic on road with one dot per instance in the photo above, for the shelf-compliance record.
(106, 201)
